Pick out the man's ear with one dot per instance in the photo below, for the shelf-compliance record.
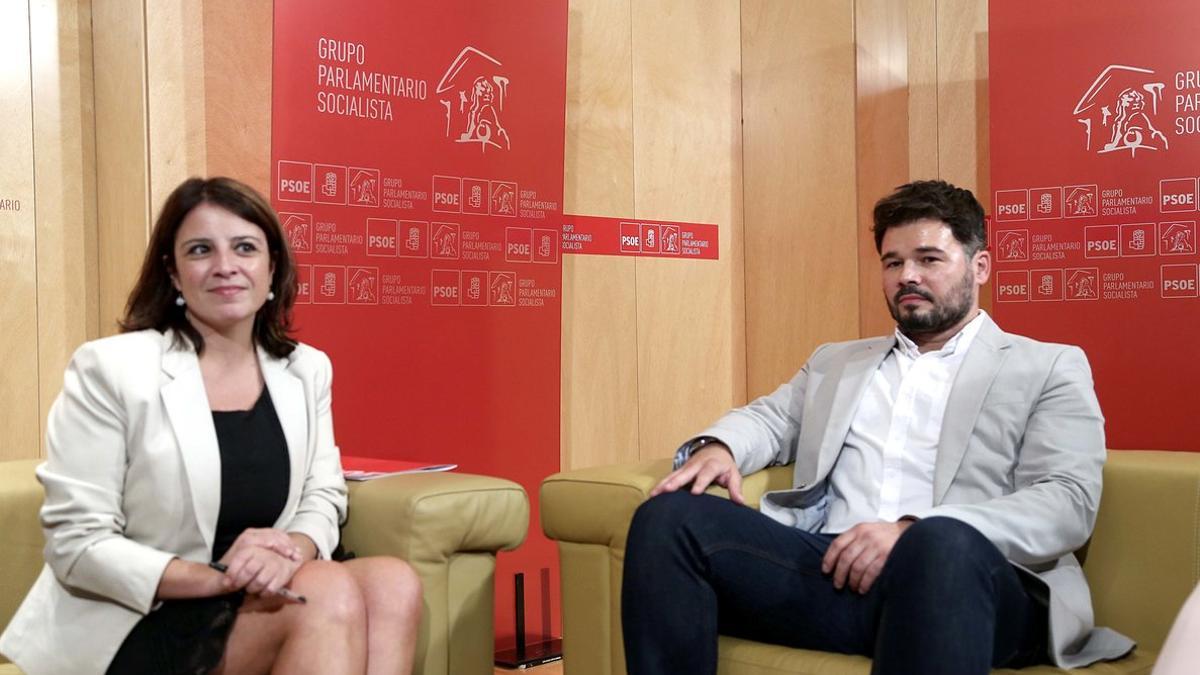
(982, 264)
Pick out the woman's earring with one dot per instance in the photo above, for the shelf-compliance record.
(179, 301)
(270, 295)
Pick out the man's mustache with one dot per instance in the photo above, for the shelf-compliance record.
(911, 290)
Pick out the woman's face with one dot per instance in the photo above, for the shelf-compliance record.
(222, 267)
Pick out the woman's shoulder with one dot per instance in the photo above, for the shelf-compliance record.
(306, 357)
(124, 362)
(132, 347)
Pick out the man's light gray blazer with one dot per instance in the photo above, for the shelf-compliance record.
(133, 479)
(1019, 458)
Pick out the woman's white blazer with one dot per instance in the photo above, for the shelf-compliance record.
(133, 479)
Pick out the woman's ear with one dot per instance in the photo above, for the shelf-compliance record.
(166, 259)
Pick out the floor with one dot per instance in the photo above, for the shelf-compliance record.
(555, 668)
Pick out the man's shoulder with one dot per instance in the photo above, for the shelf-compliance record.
(1032, 359)
(835, 351)
(1031, 347)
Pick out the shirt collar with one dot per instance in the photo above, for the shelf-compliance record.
(958, 344)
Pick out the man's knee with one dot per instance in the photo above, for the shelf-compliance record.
(661, 520)
(939, 545)
(668, 508)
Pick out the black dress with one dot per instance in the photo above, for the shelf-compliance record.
(188, 636)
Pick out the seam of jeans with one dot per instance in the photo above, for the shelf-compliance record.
(718, 548)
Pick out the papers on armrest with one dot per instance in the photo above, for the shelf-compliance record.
(366, 468)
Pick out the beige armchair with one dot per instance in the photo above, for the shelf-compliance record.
(1142, 561)
(448, 526)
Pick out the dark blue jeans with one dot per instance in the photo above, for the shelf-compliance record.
(946, 602)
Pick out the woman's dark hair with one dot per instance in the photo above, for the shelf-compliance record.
(152, 302)
(936, 200)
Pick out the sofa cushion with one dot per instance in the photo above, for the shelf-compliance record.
(743, 657)
(20, 501)
(1143, 559)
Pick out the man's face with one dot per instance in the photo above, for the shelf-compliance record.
(929, 282)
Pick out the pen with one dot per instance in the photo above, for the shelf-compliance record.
(283, 592)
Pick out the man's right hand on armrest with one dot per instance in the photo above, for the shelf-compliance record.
(711, 464)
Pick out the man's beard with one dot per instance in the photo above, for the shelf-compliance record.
(958, 303)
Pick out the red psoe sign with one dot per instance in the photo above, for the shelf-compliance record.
(1095, 150)
(417, 155)
(595, 235)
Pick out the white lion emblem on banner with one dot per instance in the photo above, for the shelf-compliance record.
(476, 112)
(1118, 111)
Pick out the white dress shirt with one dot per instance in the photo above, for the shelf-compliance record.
(885, 470)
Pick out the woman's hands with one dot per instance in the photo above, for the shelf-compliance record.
(261, 561)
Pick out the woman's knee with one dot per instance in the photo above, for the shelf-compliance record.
(390, 587)
(332, 593)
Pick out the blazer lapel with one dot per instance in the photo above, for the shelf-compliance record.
(287, 393)
(852, 382)
(186, 403)
(979, 368)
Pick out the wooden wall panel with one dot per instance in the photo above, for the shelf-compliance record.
(798, 66)
(963, 95)
(174, 95)
(18, 253)
(942, 101)
(962, 62)
(687, 166)
(881, 37)
(122, 152)
(237, 83)
(599, 323)
(922, 115)
(65, 175)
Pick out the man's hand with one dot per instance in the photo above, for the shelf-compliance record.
(857, 555)
(711, 464)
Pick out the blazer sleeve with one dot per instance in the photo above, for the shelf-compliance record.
(322, 506)
(1057, 478)
(84, 477)
(764, 432)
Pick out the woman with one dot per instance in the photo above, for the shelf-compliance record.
(203, 435)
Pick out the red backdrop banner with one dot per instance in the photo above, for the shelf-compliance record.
(408, 141)
(1095, 150)
(599, 235)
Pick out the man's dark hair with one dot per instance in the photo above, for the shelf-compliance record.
(935, 200)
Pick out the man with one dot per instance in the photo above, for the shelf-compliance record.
(943, 477)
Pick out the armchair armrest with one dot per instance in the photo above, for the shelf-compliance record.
(448, 526)
(20, 500)
(430, 517)
(588, 511)
(595, 505)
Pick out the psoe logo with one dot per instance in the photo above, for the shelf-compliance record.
(1012, 245)
(1177, 238)
(297, 227)
(473, 91)
(1117, 112)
